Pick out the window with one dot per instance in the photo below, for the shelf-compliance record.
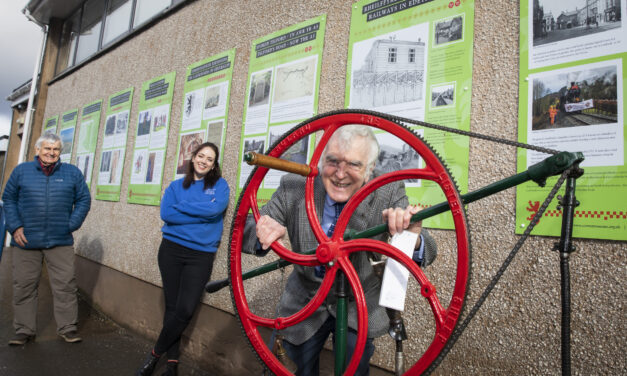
(96, 24)
(91, 22)
(412, 55)
(392, 55)
(67, 46)
(146, 9)
(118, 19)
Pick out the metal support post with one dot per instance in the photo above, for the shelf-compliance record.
(565, 248)
(341, 322)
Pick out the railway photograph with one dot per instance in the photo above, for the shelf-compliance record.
(559, 20)
(573, 98)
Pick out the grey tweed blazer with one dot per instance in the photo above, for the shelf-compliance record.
(287, 206)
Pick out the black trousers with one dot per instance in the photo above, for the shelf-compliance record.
(184, 273)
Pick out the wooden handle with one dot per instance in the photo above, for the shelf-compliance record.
(253, 158)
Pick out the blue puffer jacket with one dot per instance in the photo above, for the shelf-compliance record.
(49, 208)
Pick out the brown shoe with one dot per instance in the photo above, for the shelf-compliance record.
(20, 339)
(71, 337)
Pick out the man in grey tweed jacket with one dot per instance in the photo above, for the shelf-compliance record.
(346, 165)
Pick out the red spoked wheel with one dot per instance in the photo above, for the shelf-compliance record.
(334, 252)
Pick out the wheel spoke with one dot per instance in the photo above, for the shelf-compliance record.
(427, 289)
(334, 252)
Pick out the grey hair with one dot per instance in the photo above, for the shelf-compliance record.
(346, 134)
(50, 137)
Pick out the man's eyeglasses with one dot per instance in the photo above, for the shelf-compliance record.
(335, 163)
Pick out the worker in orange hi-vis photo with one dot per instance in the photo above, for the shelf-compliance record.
(552, 114)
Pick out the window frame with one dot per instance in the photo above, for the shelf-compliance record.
(392, 55)
(129, 28)
(102, 47)
(101, 31)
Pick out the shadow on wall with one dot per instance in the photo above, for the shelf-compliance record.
(93, 250)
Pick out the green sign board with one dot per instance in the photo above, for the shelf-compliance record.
(112, 151)
(205, 106)
(151, 140)
(414, 59)
(51, 124)
(282, 91)
(68, 128)
(572, 98)
(88, 138)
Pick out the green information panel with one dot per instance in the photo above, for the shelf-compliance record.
(51, 124)
(414, 59)
(205, 106)
(151, 140)
(572, 97)
(68, 127)
(282, 91)
(113, 148)
(88, 138)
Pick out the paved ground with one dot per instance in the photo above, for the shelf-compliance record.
(107, 349)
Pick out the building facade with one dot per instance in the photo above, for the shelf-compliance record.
(98, 47)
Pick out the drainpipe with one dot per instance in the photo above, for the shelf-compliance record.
(31, 97)
(34, 83)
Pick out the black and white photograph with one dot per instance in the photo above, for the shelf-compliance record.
(575, 97)
(557, 20)
(192, 106)
(215, 101)
(389, 70)
(260, 84)
(258, 146)
(105, 162)
(82, 162)
(443, 95)
(396, 155)
(110, 125)
(215, 129)
(212, 96)
(448, 31)
(297, 152)
(121, 123)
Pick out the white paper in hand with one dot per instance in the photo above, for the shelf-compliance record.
(394, 284)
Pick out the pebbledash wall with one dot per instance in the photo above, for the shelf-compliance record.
(517, 331)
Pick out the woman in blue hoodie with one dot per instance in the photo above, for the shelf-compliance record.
(193, 209)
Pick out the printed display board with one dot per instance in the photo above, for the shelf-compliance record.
(151, 140)
(112, 151)
(68, 128)
(572, 98)
(282, 91)
(414, 59)
(51, 124)
(88, 138)
(205, 107)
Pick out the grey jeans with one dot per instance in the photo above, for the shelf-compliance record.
(27, 266)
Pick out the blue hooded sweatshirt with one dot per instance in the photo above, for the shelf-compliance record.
(194, 216)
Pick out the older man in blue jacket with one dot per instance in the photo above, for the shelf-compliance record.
(44, 202)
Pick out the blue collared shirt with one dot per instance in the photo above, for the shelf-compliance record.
(328, 215)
